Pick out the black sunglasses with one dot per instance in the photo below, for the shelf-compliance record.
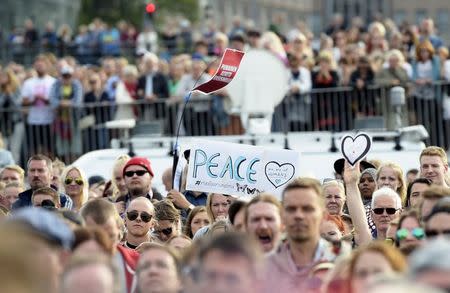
(380, 211)
(133, 215)
(138, 172)
(166, 231)
(434, 233)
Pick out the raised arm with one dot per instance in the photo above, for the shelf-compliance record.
(355, 204)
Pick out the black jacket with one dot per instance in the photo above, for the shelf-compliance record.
(160, 86)
(24, 200)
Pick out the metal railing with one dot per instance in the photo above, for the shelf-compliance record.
(25, 55)
(77, 130)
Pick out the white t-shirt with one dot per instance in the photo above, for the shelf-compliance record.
(39, 114)
(425, 70)
(447, 70)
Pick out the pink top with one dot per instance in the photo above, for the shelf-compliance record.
(282, 275)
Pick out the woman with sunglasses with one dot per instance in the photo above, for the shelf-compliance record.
(75, 185)
(410, 234)
(437, 224)
(168, 220)
(385, 207)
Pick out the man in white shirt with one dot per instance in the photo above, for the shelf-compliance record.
(35, 94)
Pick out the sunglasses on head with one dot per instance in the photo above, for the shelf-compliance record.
(69, 180)
(380, 211)
(166, 231)
(417, 233)
(133, 215)
(138, 172)
(434, 233)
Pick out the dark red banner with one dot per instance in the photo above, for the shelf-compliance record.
(225, 73)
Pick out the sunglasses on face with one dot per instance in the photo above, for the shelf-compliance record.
(133, 215)
(166, 231)
(434, 233)
(69, 180)
(380, 211)
(138, 172)
(417, 233)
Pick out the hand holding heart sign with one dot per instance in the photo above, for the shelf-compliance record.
(355, 148)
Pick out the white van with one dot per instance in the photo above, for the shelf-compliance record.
(318, 150)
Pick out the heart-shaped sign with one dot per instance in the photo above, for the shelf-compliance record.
(355, 148)
(279, 174)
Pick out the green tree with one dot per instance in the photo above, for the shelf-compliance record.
(133, 11)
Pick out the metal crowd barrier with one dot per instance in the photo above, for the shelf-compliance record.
(82, 129)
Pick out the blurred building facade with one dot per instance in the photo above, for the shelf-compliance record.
(318, 13)
(14, 12)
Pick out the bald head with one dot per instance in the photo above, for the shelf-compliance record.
(167, 179)
(142, 204)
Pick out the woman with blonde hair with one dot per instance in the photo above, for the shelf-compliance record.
(271, 42)
(118, 182)
(75, 185)
(217, 206)
(391, 175)
(374, 259)
(126, 93)
(9, 101)
(393, 72)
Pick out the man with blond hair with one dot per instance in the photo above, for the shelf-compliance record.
(434, 165)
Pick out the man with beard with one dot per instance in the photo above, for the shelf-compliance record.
(288, 267)
(263, 221)
(39, 175)
(138, 175)
(139, 222)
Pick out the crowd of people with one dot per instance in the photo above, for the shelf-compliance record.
(374, 227)
(67, 99)
(371, 228)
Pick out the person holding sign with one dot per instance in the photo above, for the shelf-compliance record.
(386, 206)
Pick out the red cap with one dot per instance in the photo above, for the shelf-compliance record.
(139, 161)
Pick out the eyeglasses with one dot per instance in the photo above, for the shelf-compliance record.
(417, 233)
(133, 215)
(69, 180)
(380, 211)
(166, 231)
(434, 233)
(138, 172)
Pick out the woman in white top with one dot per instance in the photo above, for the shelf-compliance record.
(426, 71)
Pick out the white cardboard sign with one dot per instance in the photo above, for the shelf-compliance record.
(355, 148)
(240, 170)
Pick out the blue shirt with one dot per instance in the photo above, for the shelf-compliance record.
(199, 200)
